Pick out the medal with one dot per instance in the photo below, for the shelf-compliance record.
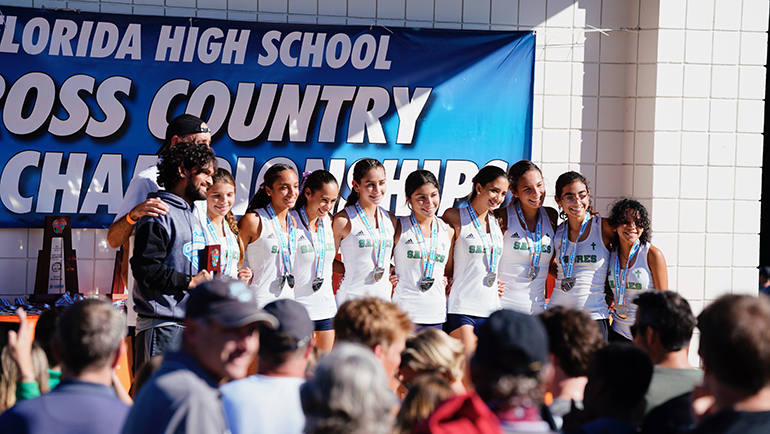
(619, 279)
(537, 240)
(317, 282)
(378, 240)
(426, 283)
(319, 248)
(378, 273)
(281, 282)
(492, 252)
(533, 271)
(489, 280)
(428, 258)
(567, 282)
(286, 252)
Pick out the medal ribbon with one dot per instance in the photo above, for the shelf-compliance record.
(215, 238)
(620, 286)
(492, 252)
(318, 240)
(534, 257)
(287, 252)
(430, 261)
(379, 246)
(563, 247)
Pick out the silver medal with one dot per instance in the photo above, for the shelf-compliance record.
(622, 311)
(317, 282)
(281, 282)
(378, 273)
(490, 279)
(290, 279)
(567, 283)
(426, 283)
(533, 271)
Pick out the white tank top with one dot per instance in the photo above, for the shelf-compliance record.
(638, 280)
(264, 257)
(469, 295)
(521, 294)
(320, 305)
(427, 307)
(358, 255)
(589, 272)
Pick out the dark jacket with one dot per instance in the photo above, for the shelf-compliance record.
(166, 255)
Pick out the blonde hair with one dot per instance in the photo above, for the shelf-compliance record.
(371, 321)
(10, 375)
(433, 351)
(425, 395)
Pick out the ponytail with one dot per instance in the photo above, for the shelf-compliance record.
(261, 199)
(359, 171)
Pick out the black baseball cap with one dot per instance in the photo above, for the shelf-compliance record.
(183, 125)
(293, 319)
(228, 302)
(512, 342)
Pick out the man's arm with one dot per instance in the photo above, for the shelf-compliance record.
(120, 230)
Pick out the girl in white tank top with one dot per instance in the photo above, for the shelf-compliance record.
(315, 253)
(581, 252)
(635, 264)
(423, 249)
(528, 229)
(270, 235)
(363, 233)
(478, 244)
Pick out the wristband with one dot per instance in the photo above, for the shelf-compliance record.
(129, 220)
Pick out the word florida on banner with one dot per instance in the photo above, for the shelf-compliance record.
(85, 100)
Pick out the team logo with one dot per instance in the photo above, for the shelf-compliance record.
(214, 257)
(58, 226)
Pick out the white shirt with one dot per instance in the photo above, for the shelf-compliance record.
(320, 305)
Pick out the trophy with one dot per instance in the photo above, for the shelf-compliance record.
(57, 270)
(212, 255)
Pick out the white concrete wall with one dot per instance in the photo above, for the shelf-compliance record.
(666, 107)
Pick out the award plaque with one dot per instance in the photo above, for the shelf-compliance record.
(57, 270)
(212, 255)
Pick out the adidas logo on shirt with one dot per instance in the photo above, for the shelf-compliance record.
(271, 236)
(301, 237)
(470, 237)
(409, 241)
(515, 235)
(360, 234)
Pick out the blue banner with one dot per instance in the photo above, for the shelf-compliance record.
(85, 100)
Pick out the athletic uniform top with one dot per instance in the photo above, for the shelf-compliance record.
(230, 251)
(264, 257)
(522, 294)
(469, 294)
(589, 272)
(358, 255)
(427, 307)
(638, 280)
(320, 305)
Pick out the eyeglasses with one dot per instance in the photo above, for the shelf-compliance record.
(572, 198)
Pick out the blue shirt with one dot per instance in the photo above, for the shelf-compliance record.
(74, 406)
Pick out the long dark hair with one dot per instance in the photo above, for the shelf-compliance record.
(486, 175)
(222, 175)
(261, 198)
(566, 179)
(518, 170)
(618, 217)
(359, 171)
(313, 182)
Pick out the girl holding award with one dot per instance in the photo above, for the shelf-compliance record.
(636, 266)
(478, 244)
(270, 235)
(423, 250)
(582, 252)
(528, 229)
(363, 233)
(219, 224)
(315, 253)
